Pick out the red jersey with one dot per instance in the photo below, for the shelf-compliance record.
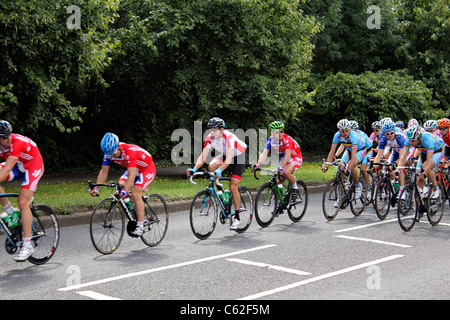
(287, 143)
(23, 148)
(131, 156)
(226, 141)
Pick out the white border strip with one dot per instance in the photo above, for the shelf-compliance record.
(173, 266)
(322, 277)
(375, 241)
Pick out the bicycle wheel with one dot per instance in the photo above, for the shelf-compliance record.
(265, 205)
(382, 198)
(332, 199)
(245, 216)
(203, 214)
(436, 208)
(107, 226)
(408, 207)
(156, 220)
(298, 205)
(45, 234)
(357, 205)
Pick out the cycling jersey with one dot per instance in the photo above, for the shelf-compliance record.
(430, 143)
(395, 145)
(226, 141)
(30, 164)
(445, 139)
(133, 156)
(286, 143)
(351, 142)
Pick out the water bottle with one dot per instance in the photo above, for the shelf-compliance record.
(129, 204)
(281, 187)
(5, 218)
(15, 218)
(220, 194)
(226, 196)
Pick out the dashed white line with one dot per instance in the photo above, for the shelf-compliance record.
(375, 241)
(96, 295)
(367, 225)
(265, 265)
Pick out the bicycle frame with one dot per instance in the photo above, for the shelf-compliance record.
(338, 163)
(274, 186)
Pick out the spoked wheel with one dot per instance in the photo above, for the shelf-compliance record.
(156, 220)
(265, 205)
(107, 226)
(358, 205)
(298, 204)
(245, 216)
(45, 234)
(332, 199)
(436, 208)
(203, 214)
(381, 201)
(408, 208)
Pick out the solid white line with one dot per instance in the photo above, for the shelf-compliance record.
(173, 266)
(375, 241)
(318, 278)
(265, 265)
(96, 295)
(366, 225)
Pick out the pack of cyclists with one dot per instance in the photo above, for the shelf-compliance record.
(388, 140)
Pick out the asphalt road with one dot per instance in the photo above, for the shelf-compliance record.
(348, 258)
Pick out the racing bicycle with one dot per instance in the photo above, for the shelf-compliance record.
(107, 225)
(45, 232)
(271, 200)
(207, 206)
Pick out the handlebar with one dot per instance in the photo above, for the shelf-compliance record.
(262, 169)
(112, 184)
(206, 174)
(336, 163)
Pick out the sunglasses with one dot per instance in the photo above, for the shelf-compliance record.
(390, 133)
(442, 128)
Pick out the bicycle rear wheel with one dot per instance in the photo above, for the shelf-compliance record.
(381, 200)
(358, 205)
(107, 226)
(408, 207)
(265, 205)
(332, 199)
(298, 205)
(45, 234)
(436, 208)
(203, 214)
(156, 220)
(245, 216)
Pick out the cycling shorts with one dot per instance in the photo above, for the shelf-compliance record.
(238, 164)
(31, 173)
(143, 176)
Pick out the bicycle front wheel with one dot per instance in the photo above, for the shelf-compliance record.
(265, 205)
(408, 208)
(358, 205)
(382, 198)
(298, 204)
(107, 226)
(332, 199)
(156, 220)
(245, 216)
(45, 234)
(436, 208)
(203, 214)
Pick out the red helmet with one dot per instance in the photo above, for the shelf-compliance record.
(444, 122)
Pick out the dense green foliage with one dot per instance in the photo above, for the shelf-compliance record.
(143, 68)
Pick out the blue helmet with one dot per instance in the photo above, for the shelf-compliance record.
(388, 126)
(110, 143)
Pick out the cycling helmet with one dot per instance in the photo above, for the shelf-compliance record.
(110, 143)
(444, 122)
(5, 129)
(400, 124)
(276, 125)
(343, 124)
(384, 120)
(354, 124)
(413, 122)
(414, 133)
(388, 126)
(376, 125)
(430, 125)
(216, 122)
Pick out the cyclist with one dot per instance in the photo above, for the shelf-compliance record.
(140, 172)
(23, 160)
(431, 148)
(356, 147)
(232, 152)
(430, 126)
(396, 142)
(375, 135)
(289, 149)
(443, 133)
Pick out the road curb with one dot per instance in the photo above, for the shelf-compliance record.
(80, 218)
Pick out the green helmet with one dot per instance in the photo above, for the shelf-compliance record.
(274, 125)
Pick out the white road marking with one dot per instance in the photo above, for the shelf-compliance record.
(173, 266)
(375, 241)
(318, 278)
(96, 295)
(366, 225)
(265, 265)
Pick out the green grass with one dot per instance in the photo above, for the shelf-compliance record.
(69, 197)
